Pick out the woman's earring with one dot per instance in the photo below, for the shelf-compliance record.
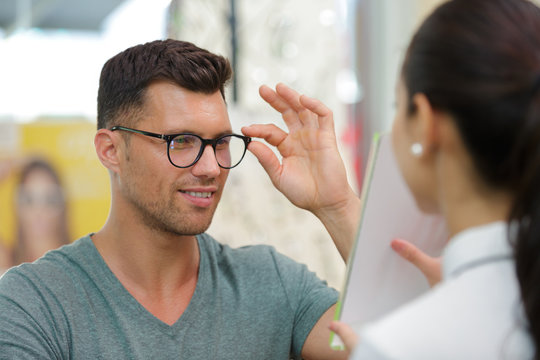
(417, 149)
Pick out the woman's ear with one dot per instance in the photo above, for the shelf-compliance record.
(107, 149)
(426, 132)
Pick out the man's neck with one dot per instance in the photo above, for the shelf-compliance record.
(160, 270)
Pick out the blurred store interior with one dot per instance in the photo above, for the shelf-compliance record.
(344, 52)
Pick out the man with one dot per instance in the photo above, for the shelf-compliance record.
(150, 283)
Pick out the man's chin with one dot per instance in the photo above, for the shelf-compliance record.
(192, 229)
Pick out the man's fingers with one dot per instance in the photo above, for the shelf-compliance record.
(274, 136)
(289, 114)
(273, 99)
(290, 96)
(345, 333)
(324, 114)
(295, 107)
(269, 132)
(429, 266)
(267, 159)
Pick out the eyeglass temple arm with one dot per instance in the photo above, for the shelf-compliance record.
(142, 132)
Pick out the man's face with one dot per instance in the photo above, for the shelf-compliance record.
(181, 201)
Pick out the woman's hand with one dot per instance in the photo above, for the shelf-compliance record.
(346, 334)
(429, 266)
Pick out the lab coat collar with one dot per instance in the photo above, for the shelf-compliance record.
(475, 247)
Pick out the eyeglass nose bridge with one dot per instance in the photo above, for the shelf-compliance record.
(204, 144)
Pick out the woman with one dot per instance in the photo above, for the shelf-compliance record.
(41, 212)
(467, 140)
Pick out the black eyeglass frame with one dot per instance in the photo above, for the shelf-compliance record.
(205, 142)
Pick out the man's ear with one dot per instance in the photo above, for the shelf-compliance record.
(108, 149)
(427, 119)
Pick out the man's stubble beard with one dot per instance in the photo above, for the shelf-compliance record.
(167, 217)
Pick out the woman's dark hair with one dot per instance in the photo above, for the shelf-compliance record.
(479, 60)
(125, 77)
(42, 165)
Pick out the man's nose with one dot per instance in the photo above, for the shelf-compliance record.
(207, 166)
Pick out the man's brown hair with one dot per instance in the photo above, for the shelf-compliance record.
(126, 76)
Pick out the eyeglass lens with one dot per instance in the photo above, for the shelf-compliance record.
(184, 149)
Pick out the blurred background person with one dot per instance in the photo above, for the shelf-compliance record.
(41, 211)
(5, 258)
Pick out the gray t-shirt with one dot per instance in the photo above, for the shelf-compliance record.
(249, 303)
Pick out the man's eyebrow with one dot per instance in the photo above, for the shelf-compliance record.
(226, 132)
(186, 131)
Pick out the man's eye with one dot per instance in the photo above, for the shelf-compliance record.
(184, 142)
(223, 142)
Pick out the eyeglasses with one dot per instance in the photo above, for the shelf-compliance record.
(184, 149)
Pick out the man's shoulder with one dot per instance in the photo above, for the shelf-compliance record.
(54, 269)
(42, 302)
(262, 260)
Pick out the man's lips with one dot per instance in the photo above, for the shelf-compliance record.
(202, 191)
(198, 194)
(201, 197)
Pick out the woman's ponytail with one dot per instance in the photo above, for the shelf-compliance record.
(526, 215)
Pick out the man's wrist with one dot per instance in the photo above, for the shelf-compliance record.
(341, 222)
